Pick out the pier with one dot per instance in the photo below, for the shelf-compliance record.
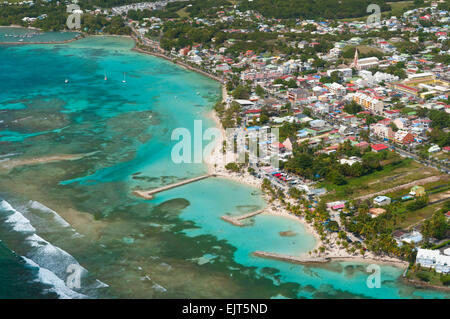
(236, 220)
(148, 194)
(289, 258)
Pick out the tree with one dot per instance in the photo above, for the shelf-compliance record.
(260, 91)
(393, 126)
(424, 276)
(291, 83)
(241, 92)
(352, 108)
(418, 203)
(232, 167)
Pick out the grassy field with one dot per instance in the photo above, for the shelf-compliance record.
(441, 155)
(390, 176)
(417, 216)
(367, 49)
(183, 13)
(433, 278)
(396, 10)
(429, 187)
(362, 49)
(397, 7)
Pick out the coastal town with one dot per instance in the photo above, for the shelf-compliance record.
(367, 105)
(361, 110)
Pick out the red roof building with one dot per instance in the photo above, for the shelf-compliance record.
(378, 147)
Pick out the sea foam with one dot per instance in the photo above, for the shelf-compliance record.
(53, 262)
(18, 222)
(58, 286)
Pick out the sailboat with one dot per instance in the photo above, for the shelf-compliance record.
(66, 81)
(123, 81)
(106, 78)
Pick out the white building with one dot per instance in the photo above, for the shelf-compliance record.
(381, 200)
(433, 259)
(372, 104)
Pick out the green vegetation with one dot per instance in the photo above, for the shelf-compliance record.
(363, 52)
(233, 167)
(55, 20)
(397, 69)
(395, 171)
(179, 35)
(320, 166)
(352, 108)
(330, 9)
(428, 276)
(417, 204)
(416, 217)
(397, 8)
(57, 17)
(440, 120)
(436, 227)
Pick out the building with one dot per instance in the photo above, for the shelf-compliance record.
(417, 191)
(350, 161)
(413, 237)
(370, 103)
(434, 149)
(368, 63)
(379, 147)
(403, 137)
(423, 78)
(298, 94)
(364, 64)
(383, 131)
(337, 89)
(317, 123)
(382, 200)
(406, 89)
(433, 259)
(375, 212)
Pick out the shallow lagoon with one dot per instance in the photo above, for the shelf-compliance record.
(175, 245)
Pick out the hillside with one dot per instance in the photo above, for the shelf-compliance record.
(329, 9)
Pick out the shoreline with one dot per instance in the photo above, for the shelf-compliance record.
(78, 37)
(425, 285)
(333, 252)
(179, 63)
(215, 165)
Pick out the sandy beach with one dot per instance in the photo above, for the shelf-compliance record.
(216, 162)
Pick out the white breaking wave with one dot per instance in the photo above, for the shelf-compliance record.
(18, 222)
(56, 216)
(47, 277)
(51, 257)
(7, 155)
(53, 262)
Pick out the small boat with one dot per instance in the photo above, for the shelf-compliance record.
(123, 81)
(66, 81)
(106, 78)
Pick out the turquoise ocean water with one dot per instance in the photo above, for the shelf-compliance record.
(83, 212)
